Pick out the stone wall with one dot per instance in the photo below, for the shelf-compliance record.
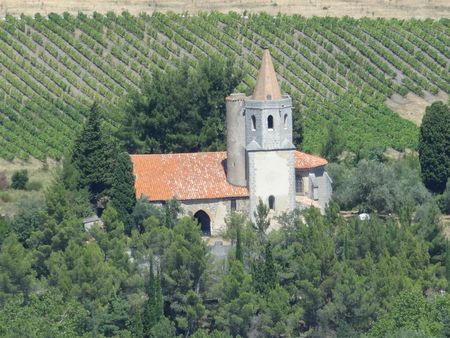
(271, 173)
(217, 210)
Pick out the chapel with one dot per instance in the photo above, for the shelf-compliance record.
(261, 163)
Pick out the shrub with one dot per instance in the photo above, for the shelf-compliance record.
(3, 181)
(19, 180)
(34, 186)
(5, 197)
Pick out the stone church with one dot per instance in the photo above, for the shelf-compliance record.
(261, 162)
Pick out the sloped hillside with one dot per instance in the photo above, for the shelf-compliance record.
(338, 71)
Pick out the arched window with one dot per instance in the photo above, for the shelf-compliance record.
(204, 221)
(253, 122)
(271, 202)
(285, 121)
(270, 122)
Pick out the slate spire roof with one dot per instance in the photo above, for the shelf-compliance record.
(266, 87)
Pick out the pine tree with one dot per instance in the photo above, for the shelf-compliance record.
(122, 194)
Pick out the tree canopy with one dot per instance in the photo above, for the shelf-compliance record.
(181, 109)
(434, 146)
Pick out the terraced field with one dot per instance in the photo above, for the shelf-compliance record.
(338, 71)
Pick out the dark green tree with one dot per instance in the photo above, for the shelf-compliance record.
(334, 144)
(239, 253)
(16, 274)
(123, 195)
(262, 221)
(19, 180)
(94, 156)
(434, 146)
(181, 109)
(154, 307)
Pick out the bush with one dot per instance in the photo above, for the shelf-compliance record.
(34, 186)
(3, 181)
(5, 197)
(19, 180)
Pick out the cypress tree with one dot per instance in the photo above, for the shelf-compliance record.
(159, 302)
(239, 253)
(154, 307)
(138, 326)
(149, 310)
(434, 147)
(270, 272)
(122, 193)
(93, 156)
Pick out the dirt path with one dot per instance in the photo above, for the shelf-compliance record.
(353, 8)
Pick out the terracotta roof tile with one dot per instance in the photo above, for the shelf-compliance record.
(184, 176)
(307, 161)
(190, 176)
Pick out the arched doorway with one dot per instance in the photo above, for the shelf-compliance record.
(204, 221)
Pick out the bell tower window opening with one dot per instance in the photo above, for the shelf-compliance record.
(270, 122)
(253, 122)
(271, 202)
(285, 121)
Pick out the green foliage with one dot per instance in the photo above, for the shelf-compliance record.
(410, 310)
(380, 187)
(123, 195)
(19, 180)
(33, 186)
(93, 156)
(262, 221)
(47, 315)
(28, 219)
(334, 145)
(445, 200)
(238, 303)
(434, 146)
(181, 109)
(154, 307)
(16, 274)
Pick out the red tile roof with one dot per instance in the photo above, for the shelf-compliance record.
(190, 176)
(307, 161)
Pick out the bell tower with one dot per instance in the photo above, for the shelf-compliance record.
(268, 138)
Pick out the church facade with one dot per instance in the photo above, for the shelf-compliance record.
(261, 163)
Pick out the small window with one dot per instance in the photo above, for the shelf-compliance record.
(253, 122)
(299, 189)
(271, 202)
(270, 122)
(285, 121)
(233, 205)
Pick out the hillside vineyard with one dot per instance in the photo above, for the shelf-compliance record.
(337, 71)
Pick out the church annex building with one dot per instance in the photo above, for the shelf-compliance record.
(261, 162)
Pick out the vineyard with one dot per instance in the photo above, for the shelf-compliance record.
(338, 71)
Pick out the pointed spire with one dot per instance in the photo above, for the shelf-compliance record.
(266, 87)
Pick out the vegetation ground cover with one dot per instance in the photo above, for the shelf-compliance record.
(338, 71)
